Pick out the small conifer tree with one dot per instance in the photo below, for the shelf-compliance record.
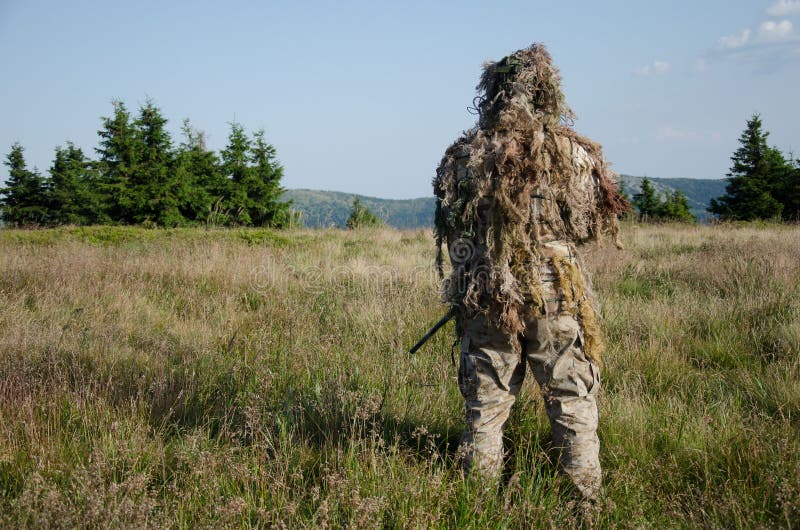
(646, 201)
(361, 216)
(675, 208)
(155, 191)
(72, 196)
(118, 158)
(265, 191)
(753, 179)
(24, 201)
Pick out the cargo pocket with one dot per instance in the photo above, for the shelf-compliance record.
(586, 374)
(467, 375)
(595, 372)
(586, 369)
(572, 373)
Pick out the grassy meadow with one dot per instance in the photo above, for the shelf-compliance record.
(250, 378)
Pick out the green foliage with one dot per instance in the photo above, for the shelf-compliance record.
(141, 178)
(265, 191)
(361, 216)
(197, 169)
(154, 191)
(117, 162)
(71, 190)
(136, 160)
(789, 190)
(674, 207)
(234, 156)
(251, 167)
(698, 192)
(263, 236)
(757, 177)
(24, 202)
(137, 237)
(646, 201)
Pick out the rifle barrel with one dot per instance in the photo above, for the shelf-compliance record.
(431, 332)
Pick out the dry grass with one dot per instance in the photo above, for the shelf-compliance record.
(195, 378)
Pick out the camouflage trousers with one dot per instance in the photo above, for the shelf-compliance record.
(490, 376)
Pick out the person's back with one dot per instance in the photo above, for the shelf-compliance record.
(514, 197)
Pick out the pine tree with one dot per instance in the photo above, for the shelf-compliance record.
(646, 201)
(71, 189)
(197, 169)
(753, 178)
(790, 192)
(793, 191)
(235, 168)
(361, 216)
(155, 191)
(266, 208)
(787, 190)
(118, 159)
(24, 202)
(675, 208)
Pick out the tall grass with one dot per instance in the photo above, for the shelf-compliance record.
(194, 378)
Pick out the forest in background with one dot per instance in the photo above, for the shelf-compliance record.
(140, 176)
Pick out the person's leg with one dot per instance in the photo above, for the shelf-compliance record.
(570, 383)
(489, 378)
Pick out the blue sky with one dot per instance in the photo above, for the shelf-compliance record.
(364, 96)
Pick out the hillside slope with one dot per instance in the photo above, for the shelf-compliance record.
(331, 208)
(698, 191)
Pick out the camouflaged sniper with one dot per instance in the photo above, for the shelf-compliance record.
(519, 179)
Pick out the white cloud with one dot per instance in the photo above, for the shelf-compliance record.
(775, 31)
(769, 46)
(660, 67)
(784, 8)
(731, 42)
(768, 32)
(654, 68)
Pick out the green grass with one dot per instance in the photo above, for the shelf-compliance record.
(115, 236)
(211, 378)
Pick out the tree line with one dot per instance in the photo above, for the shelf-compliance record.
(139, 176)
(763, 183)
(652, 207)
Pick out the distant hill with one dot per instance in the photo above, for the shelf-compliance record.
(331, 208)
(698, 191)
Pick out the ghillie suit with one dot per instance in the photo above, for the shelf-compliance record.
(488, 182)
(514, 194)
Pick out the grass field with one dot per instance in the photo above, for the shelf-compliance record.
(195, 378)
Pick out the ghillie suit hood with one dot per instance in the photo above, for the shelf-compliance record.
(522, 149)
